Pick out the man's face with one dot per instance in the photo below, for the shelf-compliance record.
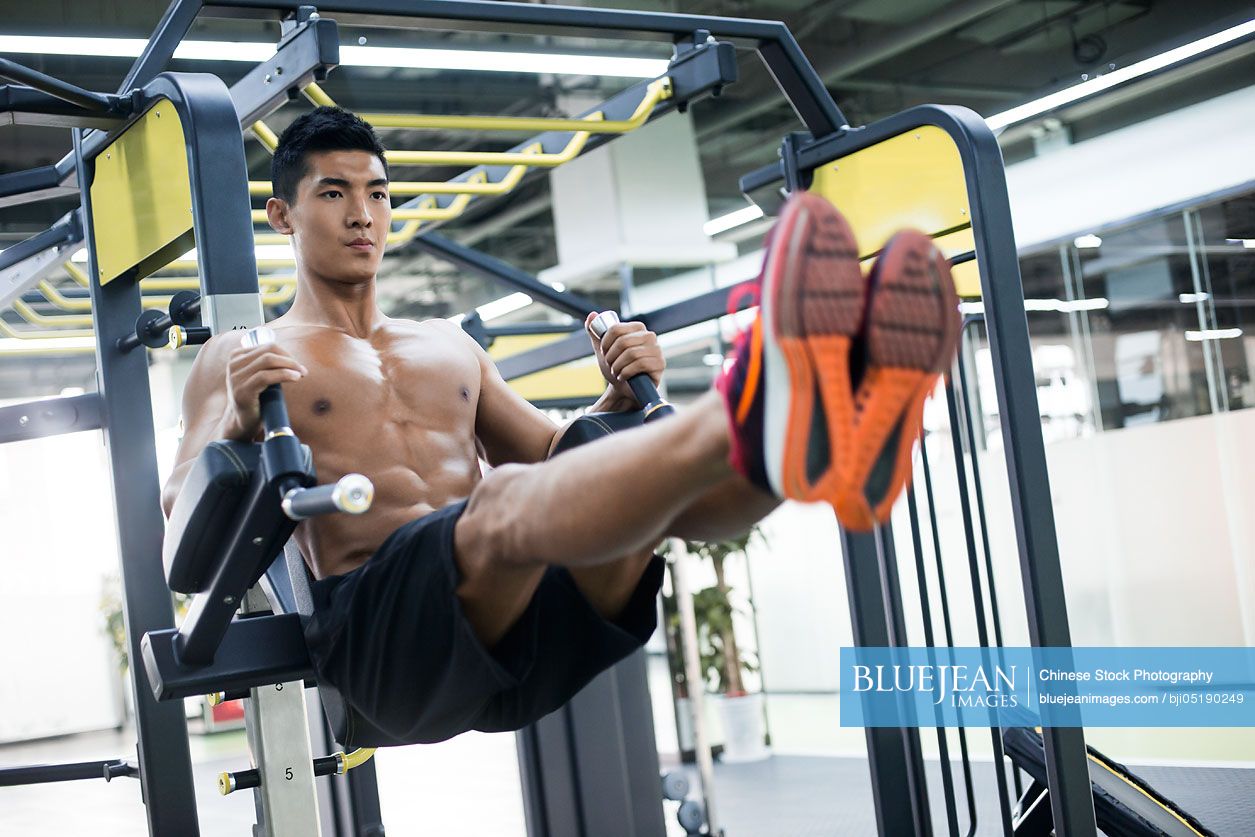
(339, 221)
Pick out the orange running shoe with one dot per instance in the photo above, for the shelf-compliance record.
(910, 338)
(786, 426)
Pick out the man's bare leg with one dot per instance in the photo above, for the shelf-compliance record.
(614, 497)
(726, 511)
(608, 587)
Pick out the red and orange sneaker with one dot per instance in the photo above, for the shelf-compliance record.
(788, 393)
(910, 338)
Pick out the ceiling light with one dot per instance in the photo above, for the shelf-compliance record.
(13, 345)
(1087, 242)
(1108, 80)
(1191, 298)
(1060, 306)
(354, 56)
(1248, 243)
(712, 359)
(503, 306)
(502, 62)
(733, 219)
(1213, 334)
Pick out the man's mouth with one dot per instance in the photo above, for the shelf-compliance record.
(362, 244)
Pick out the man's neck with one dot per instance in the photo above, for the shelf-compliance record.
(348, 307)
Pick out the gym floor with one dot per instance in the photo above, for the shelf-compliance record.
(469, 786)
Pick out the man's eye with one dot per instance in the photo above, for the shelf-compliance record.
(331, 193)
(380, 196)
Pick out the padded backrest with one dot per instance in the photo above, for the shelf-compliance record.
(204, 515)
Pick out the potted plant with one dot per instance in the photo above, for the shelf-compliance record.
(723, 661)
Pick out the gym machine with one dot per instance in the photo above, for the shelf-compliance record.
(567, 789)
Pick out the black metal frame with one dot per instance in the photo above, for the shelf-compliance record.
(126, 407)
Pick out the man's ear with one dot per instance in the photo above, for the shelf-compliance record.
(277, 214)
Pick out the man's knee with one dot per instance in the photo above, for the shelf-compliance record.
(495, 586)
(609, 587)
(487, 533)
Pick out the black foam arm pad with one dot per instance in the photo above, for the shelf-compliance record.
(595, 425)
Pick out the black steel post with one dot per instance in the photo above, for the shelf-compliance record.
(66, 92)
(1071, 796)
(591, 768)
(161, 43)
(497, 270)
(126, 408)
(893, 754)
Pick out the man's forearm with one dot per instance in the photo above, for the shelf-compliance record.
(611, 402)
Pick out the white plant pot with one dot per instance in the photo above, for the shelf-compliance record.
(743, 728)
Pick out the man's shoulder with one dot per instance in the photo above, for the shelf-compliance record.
(217, 348)
(436, 327)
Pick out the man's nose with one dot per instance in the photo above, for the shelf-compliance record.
(358, 214)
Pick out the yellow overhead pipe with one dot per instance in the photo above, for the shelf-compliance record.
(491, 158)
(31, 334)
(463, 158)
(520, 161)
(657, 91)
(401, 236)
(268, 300)
(35, 318)
(191, 283)
(467, 187)
(264, 135)
(432, 212)
(410, 188)
(64, 303)
(318, 96)
(76, 273)
(429, 212)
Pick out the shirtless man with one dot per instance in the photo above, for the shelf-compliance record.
(462, 601)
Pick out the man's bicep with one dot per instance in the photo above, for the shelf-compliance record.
(508, 426)
(204, 400)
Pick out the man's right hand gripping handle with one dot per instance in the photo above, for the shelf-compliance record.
(250, 369)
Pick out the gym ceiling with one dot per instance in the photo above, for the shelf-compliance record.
(877, 56)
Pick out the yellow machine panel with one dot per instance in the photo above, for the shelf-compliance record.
(912, 180)
(966, 275)
(142, 196)
(577, 379)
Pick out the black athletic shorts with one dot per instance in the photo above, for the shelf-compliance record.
(391, 637)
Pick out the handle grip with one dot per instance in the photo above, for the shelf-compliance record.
(642, 386)
(274, 411)
(351, 494)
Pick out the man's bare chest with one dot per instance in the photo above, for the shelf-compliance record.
(359, 387)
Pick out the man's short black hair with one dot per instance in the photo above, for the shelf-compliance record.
(322, 129)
